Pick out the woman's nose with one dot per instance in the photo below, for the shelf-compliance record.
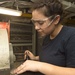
(37, 26)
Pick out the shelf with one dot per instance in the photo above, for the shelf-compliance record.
(26, 35)
(21, 24)
(22, 37)
(21, 41)
(27, 44)
(19, 54)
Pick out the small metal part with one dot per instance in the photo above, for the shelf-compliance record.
(27, 57)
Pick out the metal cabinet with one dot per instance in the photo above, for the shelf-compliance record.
(22, 37)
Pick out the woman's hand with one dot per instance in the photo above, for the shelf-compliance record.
(28, 65)
(29, 54)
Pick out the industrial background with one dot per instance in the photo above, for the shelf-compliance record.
(22, 33)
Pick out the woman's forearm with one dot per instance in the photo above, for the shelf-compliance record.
(49, 69)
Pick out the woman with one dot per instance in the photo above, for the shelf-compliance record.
(57, 56)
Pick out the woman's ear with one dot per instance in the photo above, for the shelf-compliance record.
(56, 19)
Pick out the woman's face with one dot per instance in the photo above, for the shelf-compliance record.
(44, 25)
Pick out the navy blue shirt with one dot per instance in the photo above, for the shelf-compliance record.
(60, 51)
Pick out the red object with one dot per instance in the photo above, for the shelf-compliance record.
(5, 25)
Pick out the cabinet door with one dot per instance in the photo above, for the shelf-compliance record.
(22, 37)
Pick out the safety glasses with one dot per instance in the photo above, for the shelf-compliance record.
(40, 22)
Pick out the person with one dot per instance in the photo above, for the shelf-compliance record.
(57, 56)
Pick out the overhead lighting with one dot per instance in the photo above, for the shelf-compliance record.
(8, 11)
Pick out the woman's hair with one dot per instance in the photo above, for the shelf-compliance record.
(48, 7)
